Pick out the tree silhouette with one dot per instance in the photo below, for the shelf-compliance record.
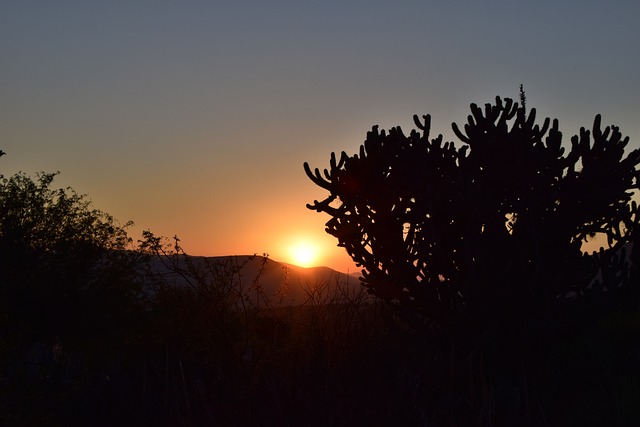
(64, 267)
(473, 237)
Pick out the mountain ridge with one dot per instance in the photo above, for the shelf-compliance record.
(282, 283)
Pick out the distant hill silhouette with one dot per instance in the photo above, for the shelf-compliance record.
(283, 283)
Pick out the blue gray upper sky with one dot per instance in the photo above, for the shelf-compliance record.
(194, 117)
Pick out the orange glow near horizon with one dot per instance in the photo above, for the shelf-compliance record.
(303, 253)
(312, 250)
(305, 248)
(296, 237)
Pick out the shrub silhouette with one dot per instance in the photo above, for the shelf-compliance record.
(469, 237)
(68, 297)
(65, 269)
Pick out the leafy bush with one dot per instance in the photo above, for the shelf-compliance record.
(65, 267)
(69, 295)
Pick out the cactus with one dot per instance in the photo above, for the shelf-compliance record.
(488, 231)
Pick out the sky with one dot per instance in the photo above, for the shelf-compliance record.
(194, 118)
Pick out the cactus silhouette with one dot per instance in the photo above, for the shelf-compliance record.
(486, 232)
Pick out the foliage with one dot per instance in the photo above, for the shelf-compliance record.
(65, 269)
(69, 299)
(490, 231)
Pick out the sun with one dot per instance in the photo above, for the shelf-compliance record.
(303, 254)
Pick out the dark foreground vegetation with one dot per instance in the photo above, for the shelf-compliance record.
(210, 355)
(478, 309)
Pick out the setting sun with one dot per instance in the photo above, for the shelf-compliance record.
(303, 254)
(307, 246)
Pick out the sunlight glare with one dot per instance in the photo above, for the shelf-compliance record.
(303, 254)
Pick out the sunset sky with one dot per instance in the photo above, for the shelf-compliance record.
(194, 117)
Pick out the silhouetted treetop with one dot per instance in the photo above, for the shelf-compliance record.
(485, 230)
(65, 267)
